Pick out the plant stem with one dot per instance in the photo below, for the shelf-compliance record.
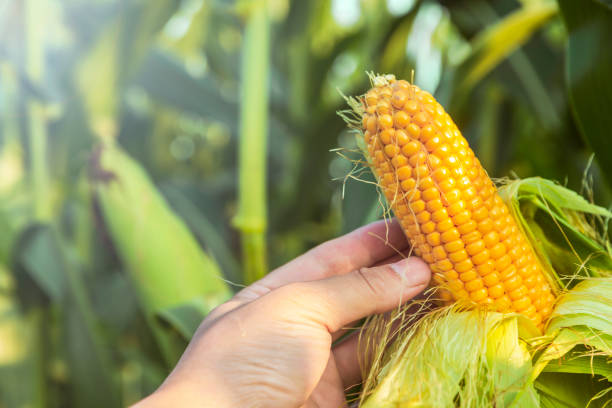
(8, 97)
(38, 363)
(251, 218)
(35, 11)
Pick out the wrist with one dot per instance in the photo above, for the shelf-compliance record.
(164, 397)
(187, 395)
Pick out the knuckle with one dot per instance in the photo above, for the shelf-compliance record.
(252, 292)
(340, 261)
(291, 288)
(293, 291)
(293, 300)
(371, 281)
(223, 308)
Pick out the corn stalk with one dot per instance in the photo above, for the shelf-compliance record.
(35, 54)
(251, 218)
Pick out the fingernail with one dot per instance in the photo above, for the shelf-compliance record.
(413, 271)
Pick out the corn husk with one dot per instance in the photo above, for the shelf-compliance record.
(459, 357)
(567, 231)
(176, 281)
(450, 356)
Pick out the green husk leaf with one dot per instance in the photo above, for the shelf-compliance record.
(581, 318)
(563, 228)
(560, 390)
(582, 362)
(457, 358)
(511, 363)
(588, 304)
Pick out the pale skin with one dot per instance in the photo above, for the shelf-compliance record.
(272, 344)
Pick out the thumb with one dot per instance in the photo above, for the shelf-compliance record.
(343, 299)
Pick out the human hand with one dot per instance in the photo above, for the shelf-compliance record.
(271, 344)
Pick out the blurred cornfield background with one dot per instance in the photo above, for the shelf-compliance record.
(230, 109)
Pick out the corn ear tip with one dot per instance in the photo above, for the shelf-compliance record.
(379, 80)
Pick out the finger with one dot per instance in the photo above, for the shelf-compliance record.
(220, 311)
(346, 355)
(257, 290)
(339, 300)
(354, 325)
(350, 358)
(329, 392)
(347, 329)
(360, 248)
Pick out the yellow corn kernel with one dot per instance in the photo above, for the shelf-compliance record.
(448, 205)
(479, 295)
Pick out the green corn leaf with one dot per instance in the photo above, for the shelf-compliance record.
(55, 269)
(607, 3)
(182, 91)
(97, 77)
(498, 41)
(186, 317)
(21, 374)
(165, 262)
(588, 67)
(39, 265)
(164, 259)
(204, 230)
(116, 54)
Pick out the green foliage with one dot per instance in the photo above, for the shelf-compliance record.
(47, 273)
(174, 278)
(589, 63)
(498, 41)
(156, 246)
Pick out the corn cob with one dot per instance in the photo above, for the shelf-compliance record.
(447, 205)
